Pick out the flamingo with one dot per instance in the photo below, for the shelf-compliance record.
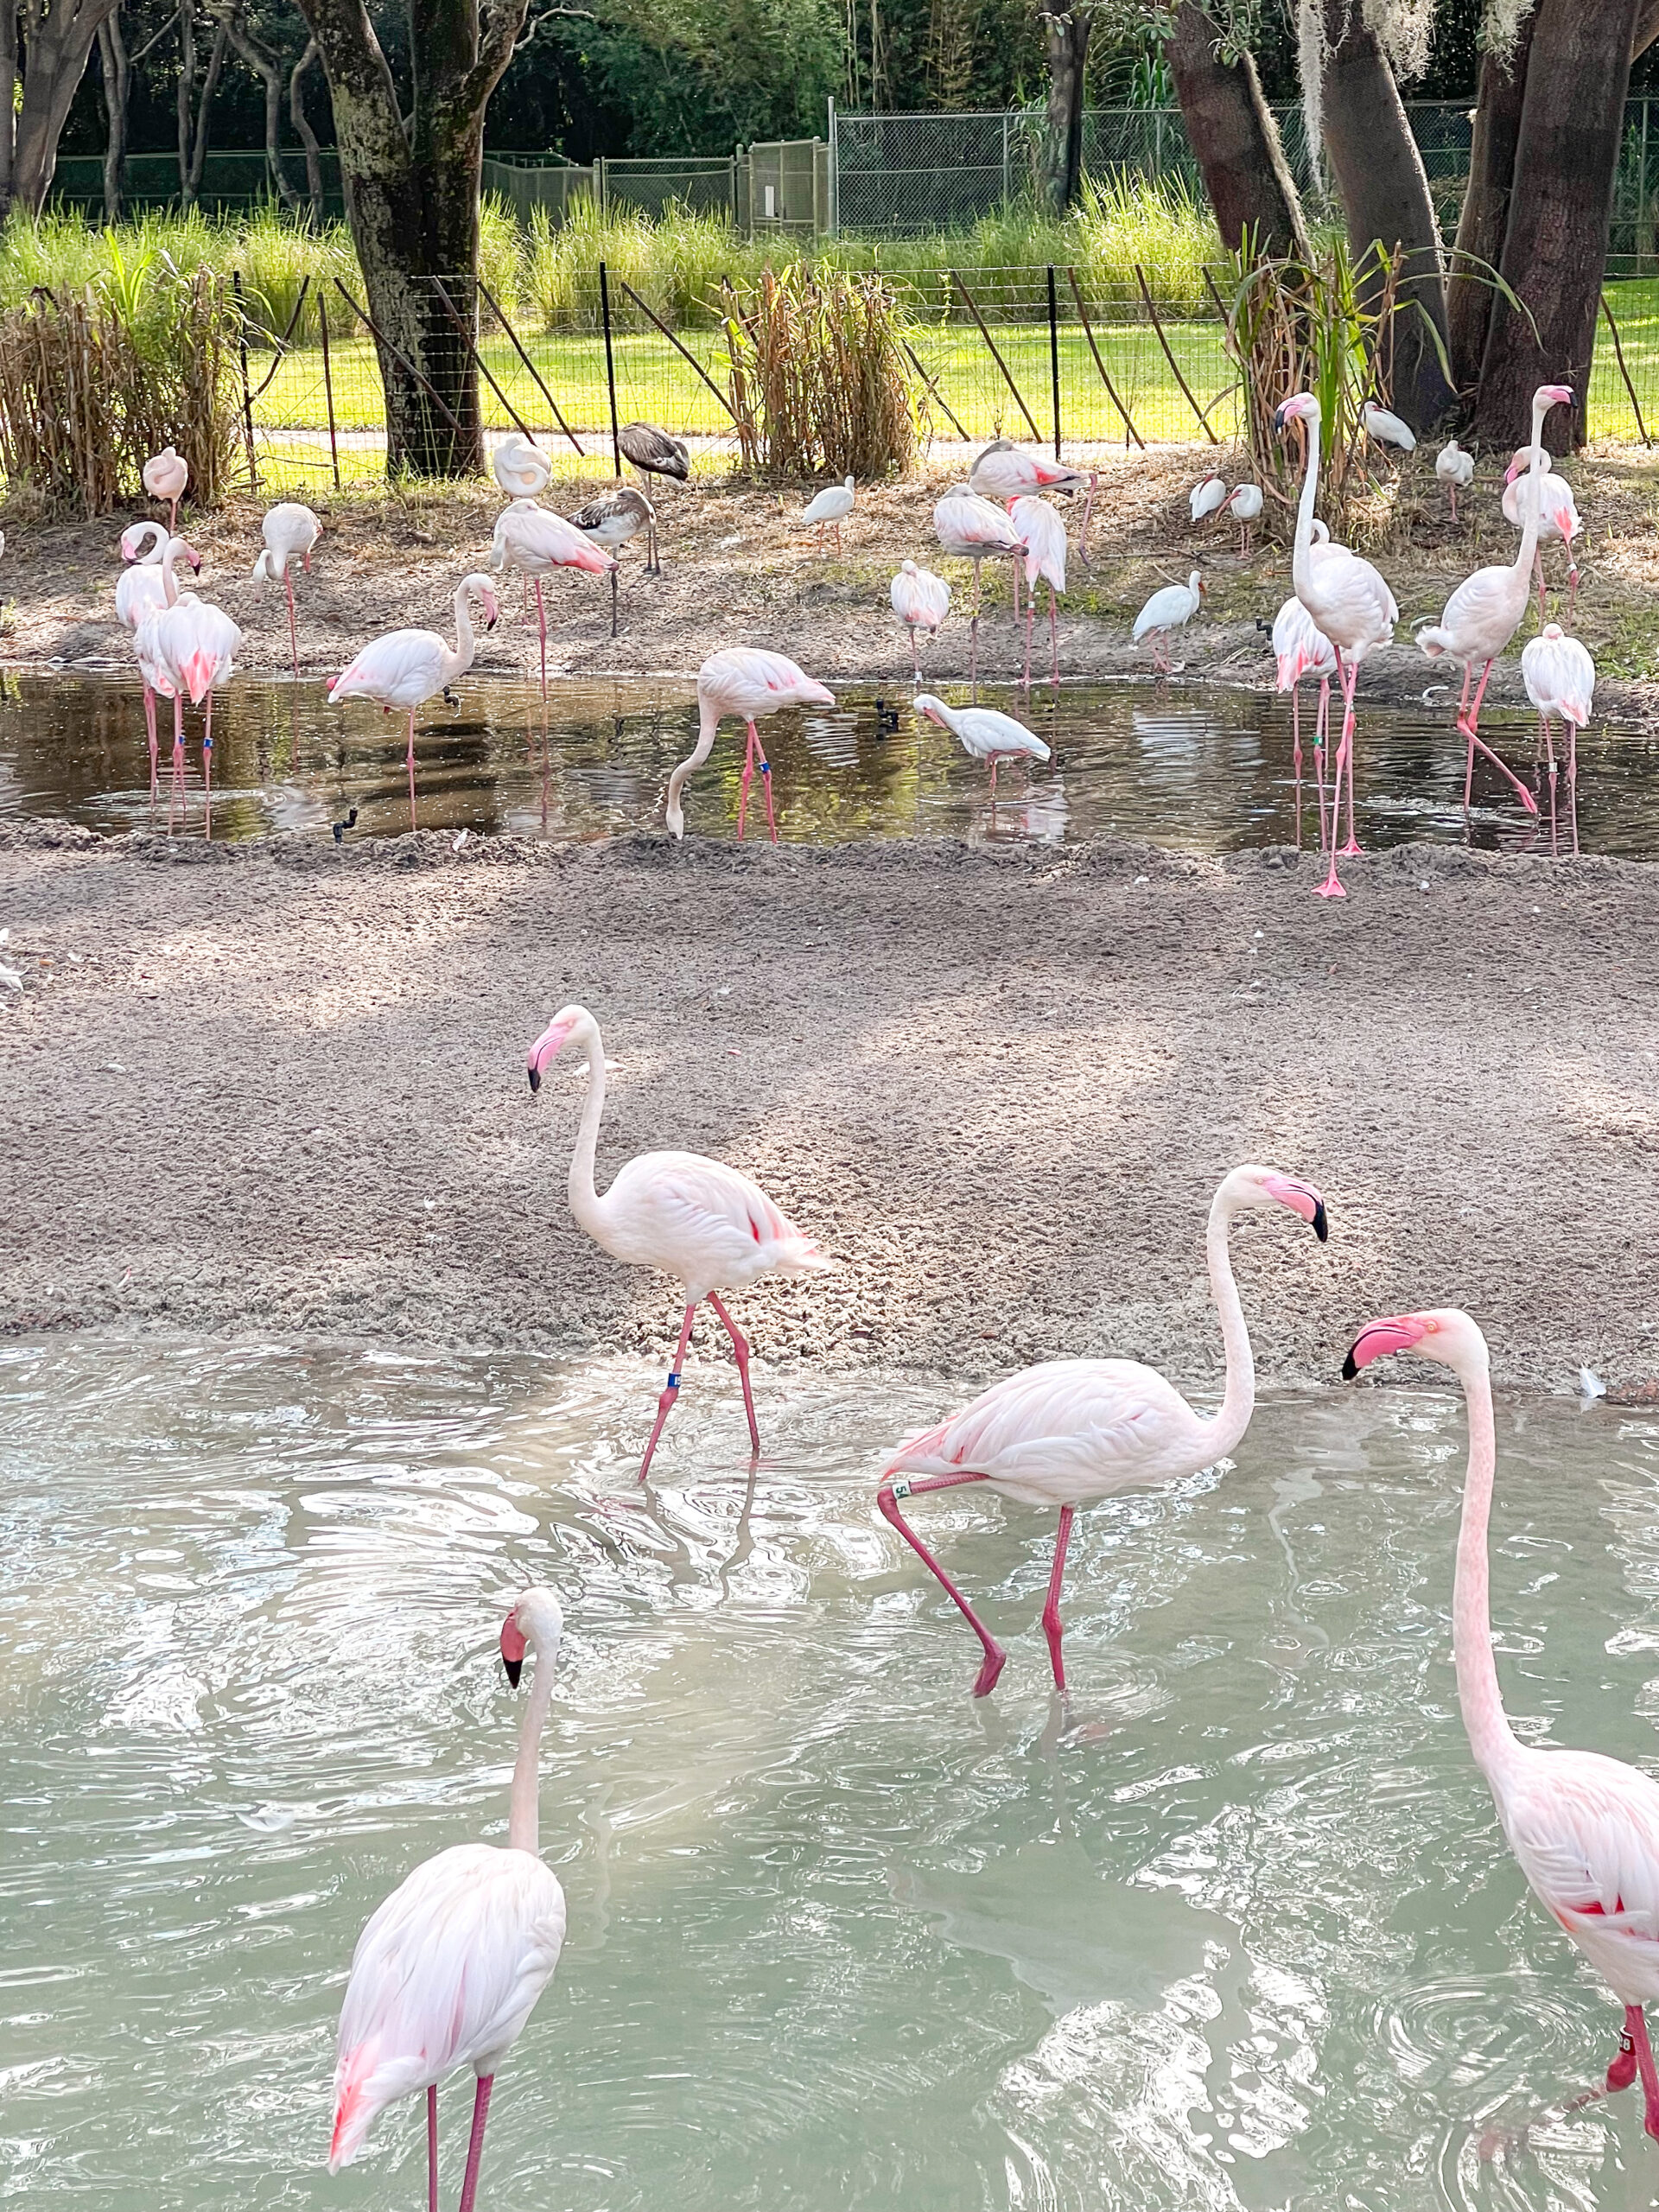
(449, 1968)
(1387, 429)
(983, 732)
(1072, 1431)
(290, 532)
(1348, 602)
(1002, 472)
(1584, 1827)
(972, 529)
(520, 466)
(143, 590)
(1045, 536)
(1172, 609)
(165, 475)
(1208, 496)
(1485, 611)
(742, 680)
(1245, 500)
(611, 520)
(1299, 650)
(1558, 517)
(527, 537)
(921, 600)
(691, 1217)
(1456, 470)
(405, 668)
(1560, 679)
(193, 646)
(831, 507)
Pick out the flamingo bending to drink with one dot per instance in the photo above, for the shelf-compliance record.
(531, 539)
(290, 530)
(194, 645)
(1045, 536)
(743, 681)
(449, 1968)
(1560, 680)
(1072, 1431)
(405, 668)
(972, 529)
(1584, 1827)
(690, 1217)
(921, 600)
(1002, 472)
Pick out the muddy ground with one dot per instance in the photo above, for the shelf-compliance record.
(280, 1088)
(739, 569)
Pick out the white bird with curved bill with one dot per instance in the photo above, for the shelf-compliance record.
(1559, 518)
(747, 681)
(1456, 470)
(685, 1215)
(1166, 612)
(830, 508)
(143, 590)
(1208, 496)
(1045, 550)
(403, 669)
(448, 1970)
(290, 530)
(921, 600)
(1560, 680)
(1070, 1432)
(165, 475)
(1245, 500)
(1387, 429)
(983, 732)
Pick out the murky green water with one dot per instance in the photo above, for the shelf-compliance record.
(1203, 768)
(1238, 1932)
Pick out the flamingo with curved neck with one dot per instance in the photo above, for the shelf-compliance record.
(1072, 1431)
(745, 681)
(405, 668)
(1584, 1827)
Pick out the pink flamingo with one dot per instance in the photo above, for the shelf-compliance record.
(1348, 602)
(143, 590)
(527, 537)
(1075, 1430)
(692, 1217)
(449, 1968)
(1584, 1827)
(193, 646)
(1002, 472)
(1558, 517)
(1560, 679)
(1044, 536)
(921, 600)
(290, 532)
(1299, 650)
(1484, 613)
(742, 680)
(165, 475)
(971, 528)
(405, 668)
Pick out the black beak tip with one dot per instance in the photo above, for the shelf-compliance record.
(1321, 1226)
(514, 1668)
(1348, 1370)
(535, 1079)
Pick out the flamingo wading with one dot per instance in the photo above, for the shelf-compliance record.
(921, 600)
(290, 532)
(743, 681)
(1044, 533)
(405, 668)
(1299, 650)
(690, 1216)
(188, 650)
(1560, 680)
(448, 1970)
(1072, 1431)
(974, 529)
(143, 590)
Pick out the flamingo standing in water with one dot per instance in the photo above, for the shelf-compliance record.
(290, 532)
(1072, 1431)
(165, 475)
(921, 600)
(143, 590)
(405, 668)
(983, 732)
(1348, 602)
(972, 529)
(1485, 611)
(1299, 650)
(1560, 680)
(1584, 1827)
(531, 539)
(690, 1217)
(1002, 472)
(1045, 536)
(744, 680)
(193, 646)
(448, 1970)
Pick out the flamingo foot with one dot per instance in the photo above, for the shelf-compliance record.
(1333, 887)
(1351, 848)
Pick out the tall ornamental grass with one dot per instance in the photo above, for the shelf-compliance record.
(820, 384)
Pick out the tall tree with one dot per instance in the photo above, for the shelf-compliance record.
(1486, 214)
(57, 40)
(1066, 26)
(412, 180)
(1234, 135)
(118, 79)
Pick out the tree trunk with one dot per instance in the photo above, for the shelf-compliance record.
(1384, 193)
(60, 41)
(1555, 246)
(267, 67)
(1485, 213)
(1646, 31)
(117, 75)
(9, 80)
(307, 135)
(186, 93)
(204, 129)
(1236, 140)
(1065, 41)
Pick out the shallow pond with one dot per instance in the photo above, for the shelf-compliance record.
(1201, 768)
(1236, 1931)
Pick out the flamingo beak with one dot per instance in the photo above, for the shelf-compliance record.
(1377, 1340)
(512, 1650)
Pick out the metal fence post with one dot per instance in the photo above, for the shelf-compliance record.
(1054, 356)
(329, 384)
(834, 194)
(247, 397)
(610, 364)
(1005, 186)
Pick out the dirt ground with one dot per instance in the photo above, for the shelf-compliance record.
(739, 569)
(280, 1088)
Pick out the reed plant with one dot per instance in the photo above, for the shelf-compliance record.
(820, 382)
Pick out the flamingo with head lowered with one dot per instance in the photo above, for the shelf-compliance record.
(188, 650)
(1002, 472)
(921, 600)
(742, 680)
(1560, 680)
(143, 590)
(690, 1216)
(405, 668)
(1072, 1431)
(290, 530)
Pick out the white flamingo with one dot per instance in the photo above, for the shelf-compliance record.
(1003, 472)
(1045, 549)
(403, 669)
(536, 543)
(971, 528)
(1558, 517)
(1168, 610)
(520, 466)
(921, 600)
(165, 475)
(691, 1217)
(743, 680)
(1560, 680)
(193, 646)
(983, 732)
(290, 530)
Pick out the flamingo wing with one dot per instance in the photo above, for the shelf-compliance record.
(702, 1221)
(399, 669)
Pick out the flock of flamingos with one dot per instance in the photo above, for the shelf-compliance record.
(1340, 611)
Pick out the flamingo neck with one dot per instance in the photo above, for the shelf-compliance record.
(707, 723)
(1521, 570)
(524, 1815)
(1301, 572)
(1238, 1401)
(585, 1201)
(460, 660)
(1491, 1737)
(169, 581)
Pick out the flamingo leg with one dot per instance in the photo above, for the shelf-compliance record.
(150, 731)
(1636, 2026)
(1353, 845)
(743, 783)
(613, 601)
(887, 1499)
(1622, 2072)
(1052, 1626)
(765, 781)
(541, 618)
(1549, 741)
(1454, 490)
(475, 2144)
(973, 640)
(1348, 672)
(993, 760)
(1470, 728)
(207, 769)
(178, 758)
(1321, 740)
(409, 757)
(915, 662)
(670, 1389)
(293, 630)
(1572, 781)
(1053, 640)
(1031, 610)
(741, 1353)
(1538, 569)
(432, 2147)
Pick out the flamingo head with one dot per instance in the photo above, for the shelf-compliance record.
(490, 605)
(1248, 1188)
(558, 1032)
(536, 1621)
(1444, 1334)
(1301, 407)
